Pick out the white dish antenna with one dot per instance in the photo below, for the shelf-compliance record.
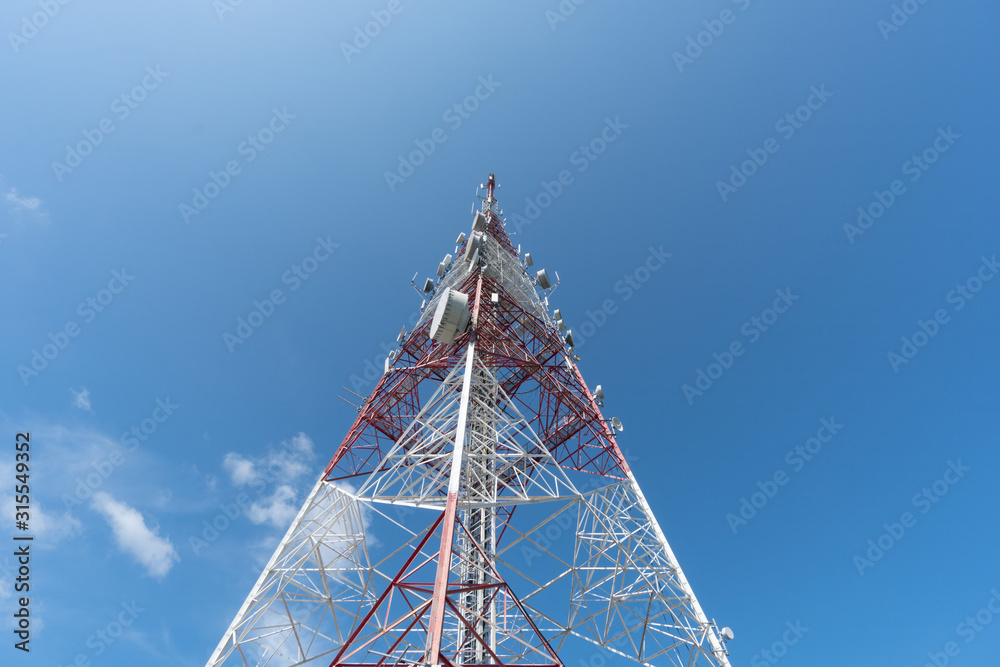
(451, 317)
(479, 222)
(472, 246)
(617, 424)
(542, 278)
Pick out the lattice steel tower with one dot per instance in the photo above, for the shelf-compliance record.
(479, 510)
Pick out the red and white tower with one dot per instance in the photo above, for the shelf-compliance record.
(479, 510)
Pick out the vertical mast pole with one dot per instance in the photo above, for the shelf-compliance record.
(436, 629)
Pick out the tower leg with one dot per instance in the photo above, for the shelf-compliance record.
(448, 528)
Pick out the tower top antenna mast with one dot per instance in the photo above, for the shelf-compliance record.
(491, 199)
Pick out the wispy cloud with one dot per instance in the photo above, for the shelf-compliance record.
(47, 528)
(278, 509)
(241, 470)
(81, 399)
(134, 537)
(7, 574)
(284, 464)
(19, 204)
(17, 208)
(52, 528)
(281, 467)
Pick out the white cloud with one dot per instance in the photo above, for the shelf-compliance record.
(81, 399)
(240, 470)
(278, 509)
(51, 528)
(281, 467)
(47, 529)
(285, 465)
(79, 460)
(134, 537)
(7, 575)
(18, 202)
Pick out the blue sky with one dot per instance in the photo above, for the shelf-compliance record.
(329, 123)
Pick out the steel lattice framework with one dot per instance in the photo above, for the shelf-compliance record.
(479, 510)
